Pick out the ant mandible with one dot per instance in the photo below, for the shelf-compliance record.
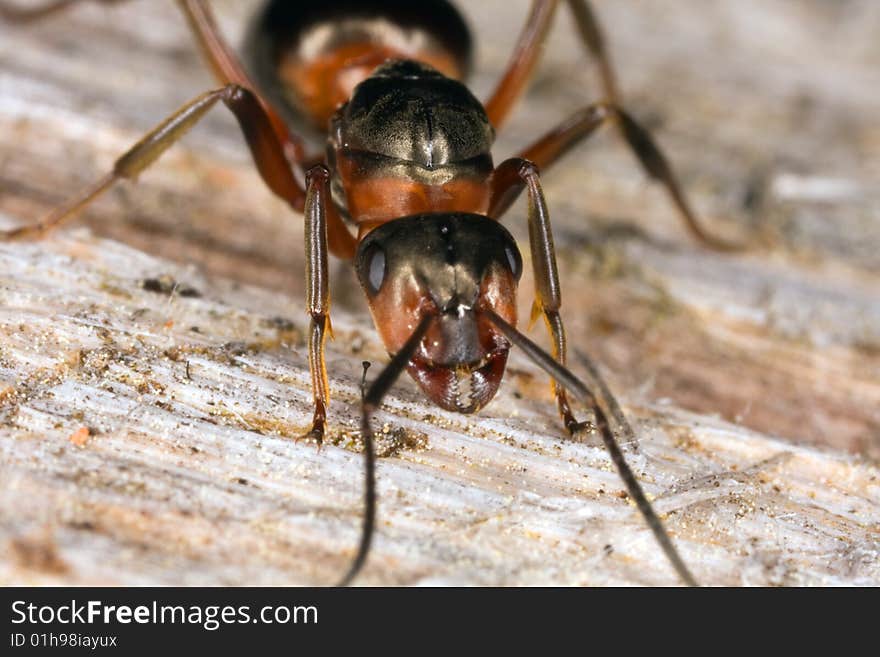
(408, 165)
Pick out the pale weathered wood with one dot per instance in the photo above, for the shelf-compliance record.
(753, 380)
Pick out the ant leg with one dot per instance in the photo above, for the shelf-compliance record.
(518, 173)
(228, 69)
(130, 164)
(221, 58)
(266, 133)
(591, 34)
(514, 174)
(265, 150)
(528, 49)
(275, 172)
(578, 127)
(563, 377)
(318, 293)
(522, 62)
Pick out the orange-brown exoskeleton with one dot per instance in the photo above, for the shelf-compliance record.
(407, 188)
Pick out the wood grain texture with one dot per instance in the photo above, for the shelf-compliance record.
(753, 380)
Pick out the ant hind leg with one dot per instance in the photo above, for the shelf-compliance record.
(571, 132)
(528, 48)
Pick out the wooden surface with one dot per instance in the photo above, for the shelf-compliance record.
(753, 380)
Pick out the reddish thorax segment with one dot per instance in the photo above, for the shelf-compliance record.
(373, 199)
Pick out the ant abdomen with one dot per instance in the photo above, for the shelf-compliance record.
(307, 57)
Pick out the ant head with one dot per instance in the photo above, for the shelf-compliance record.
(451, 267)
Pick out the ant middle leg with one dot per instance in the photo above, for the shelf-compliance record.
(580, 126)
(129, 166)
(264, 147)
(266, 150)
(583, 123)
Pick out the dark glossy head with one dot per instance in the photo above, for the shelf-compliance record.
(450, 266)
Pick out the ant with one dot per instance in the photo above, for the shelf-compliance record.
(408, 166)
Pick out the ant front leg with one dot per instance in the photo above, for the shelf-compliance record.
(318, 293)
(510, 176)
(273, 167)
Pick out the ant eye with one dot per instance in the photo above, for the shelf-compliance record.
(374, 267)
(514, 260)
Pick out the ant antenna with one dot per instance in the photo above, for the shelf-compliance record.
(569, 381)
(370, 402)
